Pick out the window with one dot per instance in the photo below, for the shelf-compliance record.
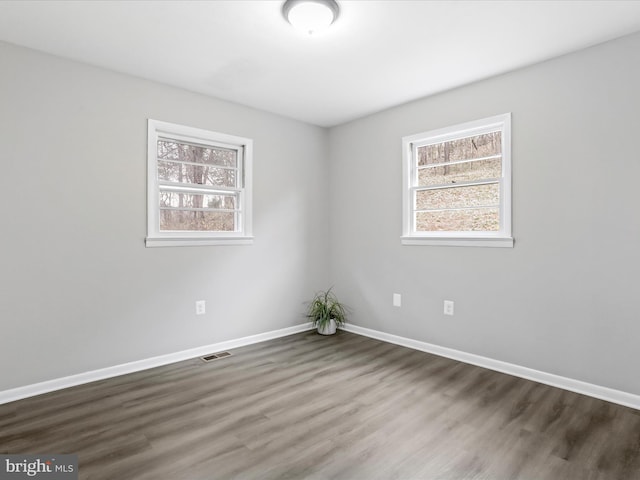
(199, 187)
(457, 185)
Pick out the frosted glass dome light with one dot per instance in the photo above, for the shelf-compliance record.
(310, 16)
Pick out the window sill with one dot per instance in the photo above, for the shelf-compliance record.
(503, 242)
(194, 241)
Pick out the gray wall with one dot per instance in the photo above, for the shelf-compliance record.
(565, 299)
(79, 290)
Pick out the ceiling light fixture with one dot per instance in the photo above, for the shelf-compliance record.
(310, 16)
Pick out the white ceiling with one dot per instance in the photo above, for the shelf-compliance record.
(378, 54)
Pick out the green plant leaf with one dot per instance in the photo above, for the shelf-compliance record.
(324, 306)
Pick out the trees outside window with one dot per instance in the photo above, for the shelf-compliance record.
(457, 185)
(199, 186)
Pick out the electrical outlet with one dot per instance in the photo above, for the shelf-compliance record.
(200, 307)
(397, 300)
(448, 307)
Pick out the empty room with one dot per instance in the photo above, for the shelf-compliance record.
(318, 239)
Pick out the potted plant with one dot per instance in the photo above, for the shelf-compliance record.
(326, 312)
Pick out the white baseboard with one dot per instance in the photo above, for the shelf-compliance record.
(597, 391)
(86, 377)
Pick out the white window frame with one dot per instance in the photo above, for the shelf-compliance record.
(181, 133)
(502, 237)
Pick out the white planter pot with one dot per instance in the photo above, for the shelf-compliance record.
(328, 328)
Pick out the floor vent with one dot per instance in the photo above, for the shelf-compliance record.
(215, 356)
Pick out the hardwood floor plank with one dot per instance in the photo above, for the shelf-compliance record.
(324, 408)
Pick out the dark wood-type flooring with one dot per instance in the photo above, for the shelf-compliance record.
(313, 407)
